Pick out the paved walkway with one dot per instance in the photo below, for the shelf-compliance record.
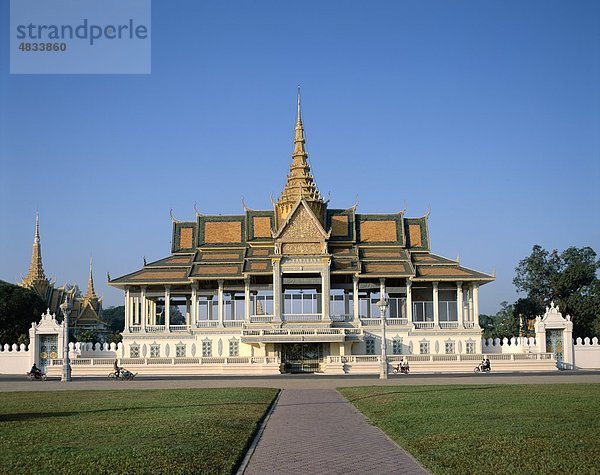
(318, 431)
(295, 381)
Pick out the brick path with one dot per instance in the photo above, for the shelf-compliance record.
(318, 431)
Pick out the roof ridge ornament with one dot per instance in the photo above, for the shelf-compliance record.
(246, 208)
(173, 217)
(198, 213)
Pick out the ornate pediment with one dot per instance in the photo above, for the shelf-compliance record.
(302, 226)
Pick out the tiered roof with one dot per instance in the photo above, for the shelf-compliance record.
(235, 247)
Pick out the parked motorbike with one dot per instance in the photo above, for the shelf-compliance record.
(40, 376)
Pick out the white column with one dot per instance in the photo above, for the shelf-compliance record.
(475, 292)
(381, 292)
(247, 299)
(167, 308)
(436, 306)
(355, 300)
(277, 290)
(194, 306)
(409, 309)
(144, 305)
(459, 303)
(220, 302)
(136, 310)
(127, 310)
(470, 317)
(325, 292)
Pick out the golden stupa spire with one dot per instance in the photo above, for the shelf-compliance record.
(300, 183)
(91, 293)
(36, 269)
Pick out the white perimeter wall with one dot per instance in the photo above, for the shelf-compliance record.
(15, 359)
(586, 353)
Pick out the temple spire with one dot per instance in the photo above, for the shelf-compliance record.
(36, 268)
(300, 183)
(91, 293)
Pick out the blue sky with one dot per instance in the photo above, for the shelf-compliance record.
(487, 112)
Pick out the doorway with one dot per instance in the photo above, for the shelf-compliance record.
(302, 357)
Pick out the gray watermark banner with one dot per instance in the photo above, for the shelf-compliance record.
(80, 36)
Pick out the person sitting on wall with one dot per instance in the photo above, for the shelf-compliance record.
(37, 372)
(117, 368)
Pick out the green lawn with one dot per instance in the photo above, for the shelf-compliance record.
(154, 431)
(516, 429)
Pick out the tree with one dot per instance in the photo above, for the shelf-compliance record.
(505, 324)
(87, 336)
(115, 318)
(568, 279)
(19, 308)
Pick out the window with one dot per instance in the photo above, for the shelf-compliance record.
(397, 346)
(134, 351)
(424, 348)
(154, 351)
(234, 348)
(206, 348)
(470, 347)
(449, 347)
(370, 344)
(180, 350)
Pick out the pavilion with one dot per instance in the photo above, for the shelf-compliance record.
(301, 283)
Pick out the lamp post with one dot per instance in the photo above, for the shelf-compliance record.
(383, 373)
(66, 308)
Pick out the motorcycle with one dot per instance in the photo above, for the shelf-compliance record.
(39, 376)
(403, 369)
(123, 374)
(480, 368)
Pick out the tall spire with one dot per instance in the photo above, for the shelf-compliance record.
(300, 183)
(36, 269)
(91, 293)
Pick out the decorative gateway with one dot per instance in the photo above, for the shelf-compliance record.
(296, 288)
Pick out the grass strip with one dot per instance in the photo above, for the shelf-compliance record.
(517, 429)
(138, 431)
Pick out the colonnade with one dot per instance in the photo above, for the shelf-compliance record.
(141, 311)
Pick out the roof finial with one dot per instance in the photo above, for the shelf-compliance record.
(36, 237)
(300, 183)
(91, 293)
(299, 117)
(36, 269)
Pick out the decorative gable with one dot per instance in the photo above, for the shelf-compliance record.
(302, 233)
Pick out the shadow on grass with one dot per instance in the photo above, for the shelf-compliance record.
(25, 416)
(428, 390)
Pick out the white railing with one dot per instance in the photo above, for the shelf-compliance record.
(341, 318)
(423, 325)
(233, 323)
(302, 334)
(367, 322)
(261, 318)
(179, 328)
(469, 324)
(135, 329)
(397, 321)
(155, 328)
(207, 323)
(446, 325)
(305, 317)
